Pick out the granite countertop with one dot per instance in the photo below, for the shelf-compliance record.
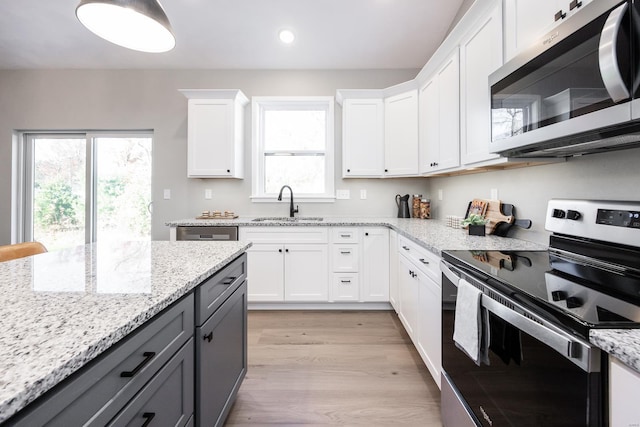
(623, 344)
(59, 310)
(434, 235)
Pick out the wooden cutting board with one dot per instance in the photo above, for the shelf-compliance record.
(495, 216)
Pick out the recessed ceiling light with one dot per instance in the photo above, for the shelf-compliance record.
(286, 36)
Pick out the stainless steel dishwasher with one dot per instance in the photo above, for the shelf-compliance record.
(207, 233)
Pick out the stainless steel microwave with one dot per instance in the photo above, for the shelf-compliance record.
(575, 91)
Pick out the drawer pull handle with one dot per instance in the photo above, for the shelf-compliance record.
(345, 281)
(424, 262)
(148, 416)
(229, 281)
(148, 355)
(208, 337)
(345, 235)
(406, 248)
(345, 252)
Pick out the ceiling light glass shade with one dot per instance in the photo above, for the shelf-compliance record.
(135, 24)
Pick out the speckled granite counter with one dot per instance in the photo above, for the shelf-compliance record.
(432, 234)
(59, 310)
(623, 344)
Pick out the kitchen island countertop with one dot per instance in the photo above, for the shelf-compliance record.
(59, 310)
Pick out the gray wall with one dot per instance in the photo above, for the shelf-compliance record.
(134, 99)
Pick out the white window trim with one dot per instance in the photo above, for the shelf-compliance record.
(257, 150)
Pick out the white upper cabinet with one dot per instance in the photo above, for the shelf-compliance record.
(215, 133)
(401, 134)
(439, 118)
(525, 20)
(362, 138)
(480, 55)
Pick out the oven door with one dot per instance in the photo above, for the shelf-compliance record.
(538, 375)
(576, 78)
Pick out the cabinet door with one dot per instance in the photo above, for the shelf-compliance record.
(429, 109)
(221, 359)
(210, 138)
(408, 295)
(362, 138)
(480, 55)
(429, 325)
(266, 272)
(306, 275)
(393, 270)
(449, 123)
(401, 134)
(375, 264)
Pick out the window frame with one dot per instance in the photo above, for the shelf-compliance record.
(260, 104)
(24, 165)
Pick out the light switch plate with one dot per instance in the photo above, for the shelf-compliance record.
(343, 194)
(167, 194)
(207, 193)
(494, 194)
(440, 195)
(363, 194)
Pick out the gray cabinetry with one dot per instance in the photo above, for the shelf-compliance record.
(221, 347)
(97, 393)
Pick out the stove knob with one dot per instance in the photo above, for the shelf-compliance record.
(558, 295)
(574, 302)
(558, 213)
(574, 215)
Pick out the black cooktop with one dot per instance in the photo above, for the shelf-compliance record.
(568, 289)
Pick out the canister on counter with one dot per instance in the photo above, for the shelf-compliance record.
(425, 208)
(416, 205)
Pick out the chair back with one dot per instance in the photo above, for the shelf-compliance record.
(21, 250)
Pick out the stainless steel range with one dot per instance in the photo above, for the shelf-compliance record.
(528, 360)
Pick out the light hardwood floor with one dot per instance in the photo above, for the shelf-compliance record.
(333, 368)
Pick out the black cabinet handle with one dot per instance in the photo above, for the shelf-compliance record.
(345, 235)
(345, 252)
(148, 355)
(366, 234)
(280, 250)
(229, 281)
(424, 262)
(405, 248)
(574, 4)
(148, 416)
(560, 15)
(386, 170)
(208, 337)
(348, 170)
(286, 250)
(228, 170)
(345, 281)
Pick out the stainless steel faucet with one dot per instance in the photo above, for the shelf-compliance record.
(292, 211)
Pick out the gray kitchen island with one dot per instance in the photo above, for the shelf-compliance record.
(108, 333)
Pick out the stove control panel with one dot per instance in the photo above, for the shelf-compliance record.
(608, 221)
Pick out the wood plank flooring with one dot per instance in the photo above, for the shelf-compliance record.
(318, 368)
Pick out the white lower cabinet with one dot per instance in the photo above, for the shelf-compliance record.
(375, 264)
(345, 287)
(287, 264)
(393, 269)
(624, 384)
(419, 302)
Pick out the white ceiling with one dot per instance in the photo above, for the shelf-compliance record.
(236, 34)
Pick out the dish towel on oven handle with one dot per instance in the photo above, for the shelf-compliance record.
(470, 328)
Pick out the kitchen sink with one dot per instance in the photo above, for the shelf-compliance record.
(287, 219)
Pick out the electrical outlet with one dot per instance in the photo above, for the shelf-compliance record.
(167, 194)
(207, 193)
(440, 195)
(494, 194)
(343, 194)
(363, 194)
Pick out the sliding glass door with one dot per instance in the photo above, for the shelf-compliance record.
(81, 188)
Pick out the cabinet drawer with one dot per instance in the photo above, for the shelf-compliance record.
(426, 261)
(97, 392)
(284, 235)
(344, 258)
(212, 292)
(345, 287)
(167, 399)
(345, 235)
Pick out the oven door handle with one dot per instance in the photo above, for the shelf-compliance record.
(608, 57)
(576, 351)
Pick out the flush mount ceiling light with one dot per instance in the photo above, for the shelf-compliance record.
(286, 36)
(135, 24)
